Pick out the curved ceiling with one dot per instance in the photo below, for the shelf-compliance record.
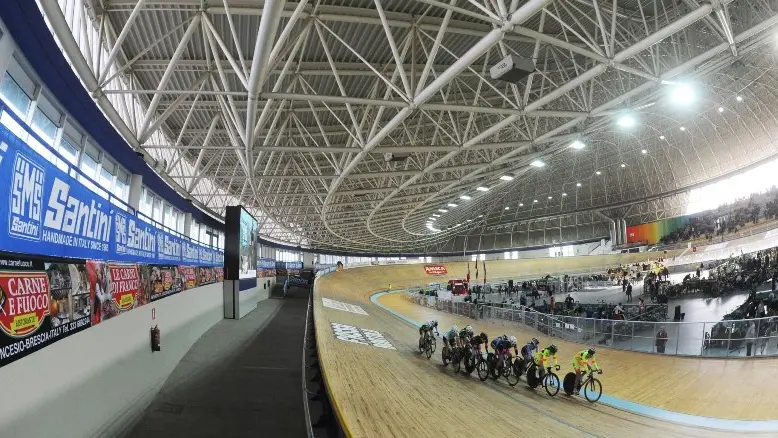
(291, 109)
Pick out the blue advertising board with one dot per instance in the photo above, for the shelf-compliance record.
(48, 212)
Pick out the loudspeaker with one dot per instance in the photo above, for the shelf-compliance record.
(677, 316)
(512, 69)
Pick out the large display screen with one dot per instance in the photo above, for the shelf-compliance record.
(248, 239)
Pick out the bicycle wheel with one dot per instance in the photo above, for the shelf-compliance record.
(515, 373)
(434, 343)
(428, 348)
(456, 362)
(444, 356)
(422, 343)
(532, 379)
(551, 383)
(483, 370)
(593, 390)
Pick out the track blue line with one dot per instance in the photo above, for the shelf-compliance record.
(640, 409)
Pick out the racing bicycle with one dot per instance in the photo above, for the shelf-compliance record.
(550, 380)
(592, 388)
(427, 344)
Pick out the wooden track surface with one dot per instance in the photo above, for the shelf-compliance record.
(381, 392)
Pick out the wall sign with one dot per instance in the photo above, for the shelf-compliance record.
(360, 336)
(346, 307)
(437, 270)
(49, 212)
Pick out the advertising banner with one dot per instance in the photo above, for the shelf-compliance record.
(284, 269)
(190, 276)
(266, 268)
(248, 235)
(114, 288)
(436, 270)
(49, 212)
(218, 272)
(165, 280)
(207, 276)
(26, 307)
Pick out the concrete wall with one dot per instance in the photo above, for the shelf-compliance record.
(97, 382)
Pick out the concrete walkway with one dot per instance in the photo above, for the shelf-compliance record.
(240, 379)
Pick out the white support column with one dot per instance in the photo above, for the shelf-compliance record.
(188, 224)
(136, 190)
(7, 48)
(624, 231)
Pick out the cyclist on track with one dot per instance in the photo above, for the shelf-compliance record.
(428, 326)
(465, 335)
(542, 361)
(450, 337)
(475, 341)
(502, 346)
(529, 350)
(584, 358)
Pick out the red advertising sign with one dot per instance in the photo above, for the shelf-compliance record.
(25, 302)
(125, 284)
(190, 276)
(437, 270)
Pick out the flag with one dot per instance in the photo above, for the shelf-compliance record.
(476, 268)
(484, 272)
(468, 272)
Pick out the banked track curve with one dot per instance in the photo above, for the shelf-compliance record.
(381, 392)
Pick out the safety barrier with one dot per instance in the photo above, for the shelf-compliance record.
(316, 400)
(734, 338)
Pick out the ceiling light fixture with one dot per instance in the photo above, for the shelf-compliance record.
(578, 185)
(661, 137)
(535, 200)
(577, 145)
(537, 163)
(480, 215)
(506, 178)
(721, 110)
(435, 215)
(465, 197)
(643, 151)
(623, 165)
(627, 121)
(683, 128)
(482, 189)
(443, 210)
(683, 94)
(433, 218)
(598, 172)
(507, 208)
(564, 194)
(453, 205)
(739, 98)
(521, 205)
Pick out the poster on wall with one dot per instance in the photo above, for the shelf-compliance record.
(114, 288)
(26, 307)
(190, 276)
(165, 280)
(207, 276)
(218, 272)
(266, 268)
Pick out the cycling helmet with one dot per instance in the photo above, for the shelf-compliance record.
(455, 328)
(591, 351)
(469, 329)
(504, 336)
(434, 323)
(552, 349)
(483, 335)
(535, 342)
(513, 340)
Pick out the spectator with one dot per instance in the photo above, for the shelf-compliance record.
(624, 285)
(661, 340)
(641, 305)
(764, 335)
(618, 312)
(629, 293)
(553, 303)
(569, 301)
(750, 334)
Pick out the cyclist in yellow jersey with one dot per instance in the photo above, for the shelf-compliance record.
(584, 358)
(542, 360)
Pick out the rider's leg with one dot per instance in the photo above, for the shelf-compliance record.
(577, 367)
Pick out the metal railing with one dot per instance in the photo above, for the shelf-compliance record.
(733, 338)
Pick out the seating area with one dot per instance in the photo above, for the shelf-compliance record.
(728, 219)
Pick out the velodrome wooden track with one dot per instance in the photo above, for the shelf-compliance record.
(380, 392)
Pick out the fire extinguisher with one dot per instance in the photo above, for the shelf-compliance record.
(155, 339)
